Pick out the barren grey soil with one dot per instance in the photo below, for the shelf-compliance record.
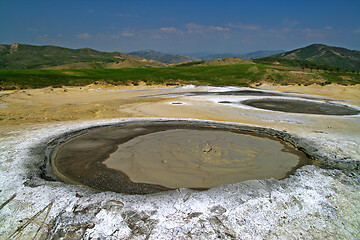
(315, 202)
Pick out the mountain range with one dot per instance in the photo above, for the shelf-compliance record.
(22, 56)
(164, 57)
(194, 57)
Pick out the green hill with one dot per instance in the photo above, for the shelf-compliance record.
(323, 54)
(164, 57)
(22, 56)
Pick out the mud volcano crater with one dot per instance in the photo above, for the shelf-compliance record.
(142, 157)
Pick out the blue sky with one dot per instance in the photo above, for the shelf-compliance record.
(181, 26)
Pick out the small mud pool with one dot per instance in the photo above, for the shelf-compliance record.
(153, 157)
(299, 106)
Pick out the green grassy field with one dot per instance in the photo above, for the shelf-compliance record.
(228, 75)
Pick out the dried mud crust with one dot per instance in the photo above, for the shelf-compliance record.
(124, 185)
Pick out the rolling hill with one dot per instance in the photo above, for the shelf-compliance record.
(324, 54)
(23, 56)
(163, 57)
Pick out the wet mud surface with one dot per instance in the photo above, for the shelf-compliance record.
(298, 106)
(151, 157)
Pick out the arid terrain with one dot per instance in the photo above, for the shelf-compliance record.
(313, 202)
(99, 101)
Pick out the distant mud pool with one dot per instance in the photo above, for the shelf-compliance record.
(148, 157)
(299, 106)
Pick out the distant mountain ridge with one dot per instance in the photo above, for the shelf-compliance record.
(320, 53)
(218, 56)
(250, 55)
(260, 54)
(23, 56)
(164, 57)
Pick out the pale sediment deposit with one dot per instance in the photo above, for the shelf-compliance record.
(314, 202)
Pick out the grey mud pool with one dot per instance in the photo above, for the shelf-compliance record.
(155, 156)
(301, 106)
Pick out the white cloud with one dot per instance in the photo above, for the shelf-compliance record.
(83, 36)
(200, 29)
(217, 28)
(194, 28)
(169, 29)
(328, 28)
(127, 33)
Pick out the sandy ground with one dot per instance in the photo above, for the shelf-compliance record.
(313, 203)
(70, 103)
(105, 101)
